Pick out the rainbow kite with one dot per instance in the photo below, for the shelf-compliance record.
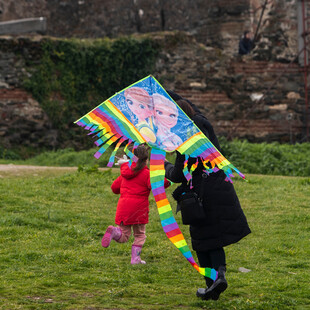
(145, 113)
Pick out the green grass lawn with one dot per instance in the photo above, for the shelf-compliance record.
(51, 258)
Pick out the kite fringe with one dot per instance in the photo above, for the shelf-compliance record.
(106, 138)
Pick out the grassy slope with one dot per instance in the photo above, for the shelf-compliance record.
(51, 229)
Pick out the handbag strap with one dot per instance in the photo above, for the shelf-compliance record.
(201, 185)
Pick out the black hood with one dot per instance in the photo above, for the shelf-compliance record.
(173, 95)
(176, 97)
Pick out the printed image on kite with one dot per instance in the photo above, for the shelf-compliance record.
(141, 105)
(155, 115)
(166, 118)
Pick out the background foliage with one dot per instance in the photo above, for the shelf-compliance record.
(268, 158)
(74, 76)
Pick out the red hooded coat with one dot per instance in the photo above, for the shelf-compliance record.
(134, 187)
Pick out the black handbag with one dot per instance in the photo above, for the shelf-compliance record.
(190, 204)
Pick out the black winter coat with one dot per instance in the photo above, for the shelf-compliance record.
(245, 46)
(226, 222)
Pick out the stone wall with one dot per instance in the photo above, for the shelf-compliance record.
(277, 35)
(215, 23)
(225, 87)
(23, 122)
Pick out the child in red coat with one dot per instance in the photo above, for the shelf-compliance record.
(132, 211)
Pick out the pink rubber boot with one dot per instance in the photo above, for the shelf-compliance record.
(135, 255)
(111, 233)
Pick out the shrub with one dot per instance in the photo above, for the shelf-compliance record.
(74, 76)
(8, 154)
(69, 158)
(273, 158)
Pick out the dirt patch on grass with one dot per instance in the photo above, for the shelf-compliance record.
(24, 170)
(11, 170)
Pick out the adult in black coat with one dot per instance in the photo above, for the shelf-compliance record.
(225, 221)
(246, 43)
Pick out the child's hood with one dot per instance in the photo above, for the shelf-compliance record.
(127, 172)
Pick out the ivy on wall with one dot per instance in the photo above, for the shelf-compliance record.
(74, 76)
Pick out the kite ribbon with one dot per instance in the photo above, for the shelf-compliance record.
(169, 224)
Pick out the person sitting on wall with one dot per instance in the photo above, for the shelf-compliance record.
(246, 44)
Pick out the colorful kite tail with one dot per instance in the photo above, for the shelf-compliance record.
(168, 222)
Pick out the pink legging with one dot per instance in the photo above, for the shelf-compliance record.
(138, 233)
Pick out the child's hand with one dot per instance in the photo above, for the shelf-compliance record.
(121, 161)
